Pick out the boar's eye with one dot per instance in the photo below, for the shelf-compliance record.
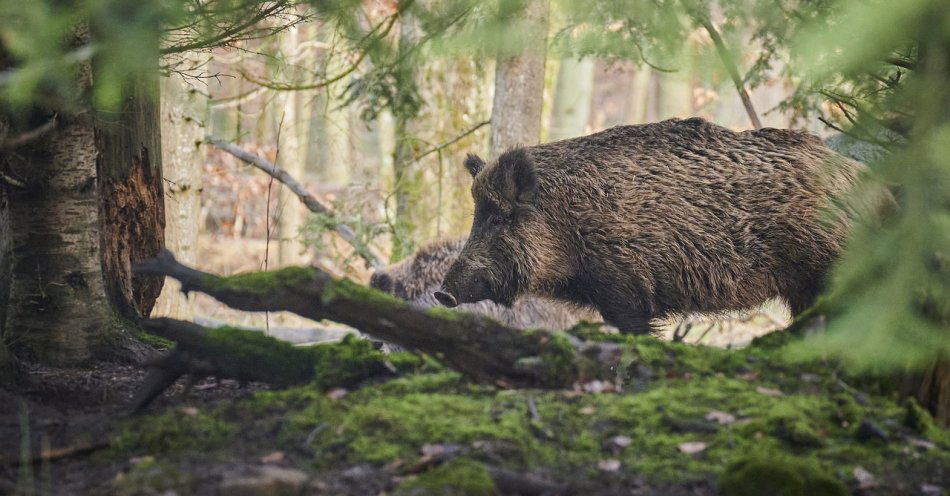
(495, 220)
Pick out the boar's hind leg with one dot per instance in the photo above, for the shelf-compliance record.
(627, 319)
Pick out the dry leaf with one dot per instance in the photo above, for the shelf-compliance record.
(336, 393)
(622, 441)
(609, 465)
(921, 443)
(692, 447)
(273, 457)
(722, 418)
(189, 411)
(769, 391)
(587, 410)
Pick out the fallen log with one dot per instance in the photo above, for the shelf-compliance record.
(478, 347)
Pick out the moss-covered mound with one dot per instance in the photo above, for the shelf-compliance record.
(736, 421)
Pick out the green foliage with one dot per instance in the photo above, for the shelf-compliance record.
(887, 305)
(320, 229)
(51, 50)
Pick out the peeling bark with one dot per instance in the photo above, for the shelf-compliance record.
(131, 199)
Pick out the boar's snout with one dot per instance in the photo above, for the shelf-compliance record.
(463, 285)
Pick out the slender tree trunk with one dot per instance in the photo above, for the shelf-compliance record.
(519, 88)
(405, 150)
(91, 205)
(183, 111)
(292, 159)
(637, 108)
(575, 84)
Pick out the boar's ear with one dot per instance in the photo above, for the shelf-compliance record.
(474, 163)
(519, 183)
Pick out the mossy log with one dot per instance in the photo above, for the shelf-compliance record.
(478, 347)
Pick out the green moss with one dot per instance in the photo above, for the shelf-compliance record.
(274, 361)
(262, 282)
(171, 432)
(919, 419)
(462, 477)
(778, 475)
(791, 424)
(345, 288)
(808, 428)
(557, 362)
(148, 476)
(346, 363)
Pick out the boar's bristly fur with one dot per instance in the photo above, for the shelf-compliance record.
(417, 277)
(647, 221)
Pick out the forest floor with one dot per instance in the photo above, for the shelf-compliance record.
(682, 419)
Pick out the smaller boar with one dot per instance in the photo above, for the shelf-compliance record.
(416, 278)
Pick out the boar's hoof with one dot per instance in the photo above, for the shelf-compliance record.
(446, 299)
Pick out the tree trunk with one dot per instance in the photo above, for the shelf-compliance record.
(575, 83)
(933, 390)
(183, 109)
(403, 155)
(91, 205)
(292, 159)
(519, 88)
(637, 107)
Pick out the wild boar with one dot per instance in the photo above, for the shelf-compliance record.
(648, 221)
(416, 278)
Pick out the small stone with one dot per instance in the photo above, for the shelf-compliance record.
(865, 479)
(692, 447)
(748, 376)
(722, 418)
(769, 391)
(265, 480)
(921, 443)
(587, 410)
(336, 393)
(617, 444)
(622, 441)
(931, 489)
(189, 411)
(868, 430)
(609, 465)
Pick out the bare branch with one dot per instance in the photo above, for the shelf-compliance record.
(452, 141)
(328, 81)
(24, 138)
(312, 203)
(729, 62)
